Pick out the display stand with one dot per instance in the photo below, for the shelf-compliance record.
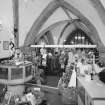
(13, 75)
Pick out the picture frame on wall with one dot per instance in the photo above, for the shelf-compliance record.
(5, 45)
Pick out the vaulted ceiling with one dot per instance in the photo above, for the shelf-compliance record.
(32, 17)
(91, 19)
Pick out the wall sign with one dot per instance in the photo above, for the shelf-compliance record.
(5, 45)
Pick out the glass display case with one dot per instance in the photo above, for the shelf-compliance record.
(4, 73)
(15, 74)
(28, 70)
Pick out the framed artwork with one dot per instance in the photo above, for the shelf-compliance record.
(5, 45)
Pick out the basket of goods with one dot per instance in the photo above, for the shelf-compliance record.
(70, 92)
(63, 82)
(39, 95)
(69, 95)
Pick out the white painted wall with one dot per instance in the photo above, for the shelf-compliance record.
(6, 14)
(6, 18)
(5, 36)
(28, 13)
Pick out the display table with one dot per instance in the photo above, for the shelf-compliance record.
(90, 92)
(13, 75)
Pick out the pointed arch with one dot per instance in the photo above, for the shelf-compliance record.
(100, 9)
(48, 38)
(63, 31)
(74, 33)
(38, 23)
(47, 12)
(84, 20)
(50, 28)
(78, 25)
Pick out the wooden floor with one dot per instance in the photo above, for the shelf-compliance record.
(52, 81)
(51, 91)
(53, 96)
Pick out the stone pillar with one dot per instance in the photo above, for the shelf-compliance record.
(16, 22)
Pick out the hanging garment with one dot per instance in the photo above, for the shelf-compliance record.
(56, 64)
(72, 82)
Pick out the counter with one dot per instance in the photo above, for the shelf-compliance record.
(90, 92)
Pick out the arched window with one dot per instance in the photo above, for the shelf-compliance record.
(78, 37)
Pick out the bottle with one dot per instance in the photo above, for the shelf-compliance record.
(91, 75)
(92, 72)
